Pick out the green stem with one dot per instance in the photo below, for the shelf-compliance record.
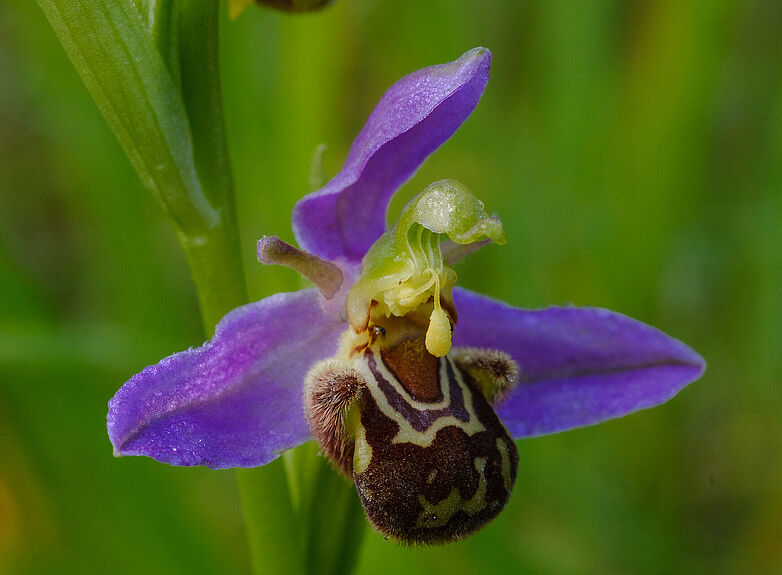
(272, 526)
(152, 67)
(214, 254)
(216, 264)
(332, 523)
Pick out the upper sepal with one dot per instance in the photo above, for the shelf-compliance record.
(237, 400)
(414, 117)
(577, 366)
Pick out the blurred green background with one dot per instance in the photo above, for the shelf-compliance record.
(634, 152)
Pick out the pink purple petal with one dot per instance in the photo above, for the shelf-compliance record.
(578, 366)
(237, 400)
(414, 117)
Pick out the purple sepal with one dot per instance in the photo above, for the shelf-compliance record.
(414, 117)
(237, 400)
(578, 366)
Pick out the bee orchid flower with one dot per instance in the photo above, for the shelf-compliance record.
(414, 388)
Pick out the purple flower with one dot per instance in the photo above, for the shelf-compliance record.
(365, 363)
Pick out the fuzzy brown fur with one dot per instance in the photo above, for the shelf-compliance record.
(330, 389)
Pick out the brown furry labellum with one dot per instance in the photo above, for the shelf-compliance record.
(417, 434)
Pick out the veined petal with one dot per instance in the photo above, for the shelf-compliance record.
(237, 400)
(414, 117)
(577, 366)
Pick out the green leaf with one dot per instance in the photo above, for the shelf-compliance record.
(152, 68)
(197, 41)
(160, 18)
(118, 59)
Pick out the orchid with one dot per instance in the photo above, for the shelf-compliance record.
(414, 388)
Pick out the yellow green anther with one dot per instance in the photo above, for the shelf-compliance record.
(438, 336)
(405, 268)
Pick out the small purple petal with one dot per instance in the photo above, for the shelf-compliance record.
(325, 275)
(578, 366)
(414, 117)
(235, 401)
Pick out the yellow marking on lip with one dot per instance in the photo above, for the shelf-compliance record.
(362, 451)
(503, 449)
(408, 434)
(440, 513)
